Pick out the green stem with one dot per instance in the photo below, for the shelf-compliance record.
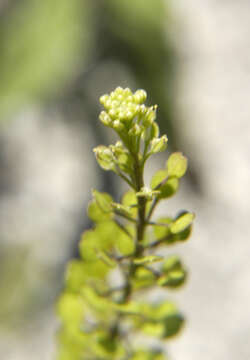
(151, 210)
(140, 229)
(140, 226)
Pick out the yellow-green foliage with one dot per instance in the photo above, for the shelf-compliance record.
(99, 319)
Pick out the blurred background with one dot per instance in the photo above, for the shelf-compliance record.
(56, 59)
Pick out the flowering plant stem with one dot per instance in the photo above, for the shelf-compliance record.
(98, 317)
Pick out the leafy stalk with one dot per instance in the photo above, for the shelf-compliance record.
(98, 316)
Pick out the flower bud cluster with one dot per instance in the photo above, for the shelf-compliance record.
(122, 106)
(135, 124)
(127, 114)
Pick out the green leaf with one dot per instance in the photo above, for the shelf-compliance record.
(163, 310)
(161, 320)
(89, 245)
(153, 329)
(177, 165)
(107, 233)
(73, 342)
(173, 279)
(96, 214)
(172, 320)
(124, 243)
(172, 263)
(103, 200)
(102, 238)
(96, 270)
(173, 325)
(158, 178)
(173, 273)
(133, 307)
(184, 235)
(107, 347)
(147, 260)
(70, 309)
(161, 231)
(105, 238)
(129, 199)
(96, 302)
(182, 222)
(75, 275)
(167, 186)
(79, 273)
(143, 278)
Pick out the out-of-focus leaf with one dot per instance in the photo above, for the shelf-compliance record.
(75, 275)
(177, 165)
(159, 230)
(104, 200)
(124, 243)
(182, 222)
(96, 214)
(159, 177)
(166, 186)
(70, 309)
(173, 273)
(160, 320)
(143, 278)
(90, 245)
(129, 199)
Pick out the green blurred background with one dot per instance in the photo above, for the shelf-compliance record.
(56, 58)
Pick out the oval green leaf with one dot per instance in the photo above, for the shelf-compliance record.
(182, 222)
(177, 165)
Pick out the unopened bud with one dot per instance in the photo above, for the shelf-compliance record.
(159, 144)
(140, 96)
(150, 116)
(105, 118)
(117, 125)
(104, 157)
(135, 130)
(103, 99)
